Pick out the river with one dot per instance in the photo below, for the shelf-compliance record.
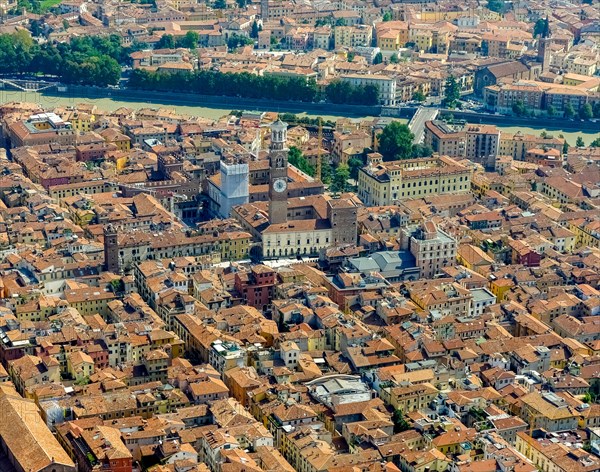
(214, 112)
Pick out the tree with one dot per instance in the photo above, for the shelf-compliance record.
(228, 84)
(394, 58)
(66, 25)
(338, 91)
(579, 142)
(551, 110)
(418, 96)
(421, 150)
(396, 142)
(189, 41)
(400, 424)
(387, 16)
(82, 382)
(541, 28)
(339, 181)
(367, 95)
(326, 171)
(236, 41)
(342, 91)
(89, 60)
(597, 109)
(595, 143)
(451, 92)
(569, 110)
(35, 27)
(544, 134)
(378, 59)
(254, 30)
(220, 4)
(297, 159)
(519, 109)
(586, 112)
(166, 41)
(117, 285)
(355, 164)
(340, 22)
(326, 20)
(495, 5)
(294, 155)
(565, 149)
(242, 3)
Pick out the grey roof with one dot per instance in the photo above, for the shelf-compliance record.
(388, 263)
(480, 294)
(392, 260)
(364, 264)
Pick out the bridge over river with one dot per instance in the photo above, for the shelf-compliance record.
(25, 85)
(417, 123)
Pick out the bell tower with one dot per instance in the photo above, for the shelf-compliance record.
(278, 163)
(264, 10)
(111, 249)
(544, 42)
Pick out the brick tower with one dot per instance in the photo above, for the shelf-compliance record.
(278, 163)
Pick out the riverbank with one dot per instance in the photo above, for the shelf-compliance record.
(73, 92)
(230, 103)
(216, 107)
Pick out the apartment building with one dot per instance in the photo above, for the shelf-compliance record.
(444, 139)
(559, 98)
(157, 57)
(482, 143)
(432, 248)
(517, 145)
(347, 144)
(391, 35)
(353, 36)
(563, 190)
(549, 411)
(539, 97)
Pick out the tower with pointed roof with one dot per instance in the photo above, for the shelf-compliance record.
(278, 163)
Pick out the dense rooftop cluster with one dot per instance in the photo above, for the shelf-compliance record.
(266, 292)
(177, 296)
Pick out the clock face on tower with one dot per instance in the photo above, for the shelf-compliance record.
(279, 185)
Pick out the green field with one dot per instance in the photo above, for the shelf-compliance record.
(45, 5)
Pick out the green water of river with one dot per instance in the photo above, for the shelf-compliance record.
(215, 112)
